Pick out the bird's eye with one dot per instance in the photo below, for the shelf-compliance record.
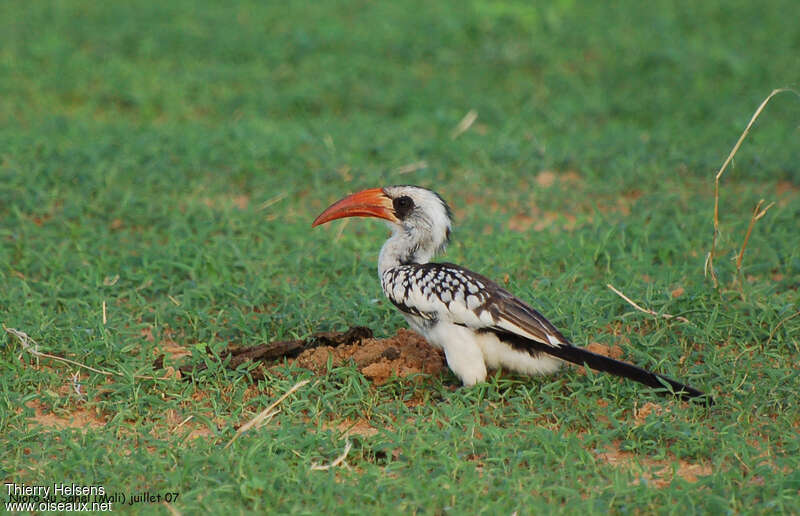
(403, 206)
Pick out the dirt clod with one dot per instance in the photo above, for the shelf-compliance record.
(404, 354)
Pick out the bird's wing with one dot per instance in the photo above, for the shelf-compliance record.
(447, 292)
(514, 316)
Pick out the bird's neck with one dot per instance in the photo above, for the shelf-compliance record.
(403, 248)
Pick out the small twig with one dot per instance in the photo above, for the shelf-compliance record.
(172, 509)
(411, 167)
(265, 414)
(464, 124)
(756, 215)
(341, 230)
(339, 460)
(645, 310)
(706, 265)
(263, 417)
(105, 319)
(742, 463)
(144, 285)
(710, 258)
(30, 345)
(775, 329)
(182, 423)
(269, 202)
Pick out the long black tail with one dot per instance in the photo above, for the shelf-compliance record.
(581, 356)
(603, 363)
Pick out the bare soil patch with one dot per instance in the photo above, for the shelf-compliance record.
(79, 418)
(404, 354)
(657, 473)
(360, 427)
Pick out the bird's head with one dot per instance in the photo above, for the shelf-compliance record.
(415, 214)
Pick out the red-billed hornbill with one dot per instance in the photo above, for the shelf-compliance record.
(477, 323)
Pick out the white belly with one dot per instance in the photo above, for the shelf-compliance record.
(497, 354)
(470, 354)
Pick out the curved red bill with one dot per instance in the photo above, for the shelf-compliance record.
(367, 203)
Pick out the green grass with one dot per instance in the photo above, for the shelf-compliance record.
(167, 158)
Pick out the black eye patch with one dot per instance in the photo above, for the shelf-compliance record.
(402, 206)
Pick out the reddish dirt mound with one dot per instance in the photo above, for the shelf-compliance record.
(404, 354)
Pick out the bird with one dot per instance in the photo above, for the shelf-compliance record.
(479, 325)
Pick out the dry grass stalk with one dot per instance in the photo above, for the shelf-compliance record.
(411, 167)
(464, 124)
(105, 319)
(775, 329)
(339, 233)
(182, 423)
(172, 510)
(265, 415)
(757, 214)
(709, 265)
(30, 345)
(269, 202)
(645, 310)
(339, 460)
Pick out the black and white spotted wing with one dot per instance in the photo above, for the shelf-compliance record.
(449, 293)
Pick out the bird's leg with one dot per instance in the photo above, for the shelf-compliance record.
(467, 364)
(463, 354)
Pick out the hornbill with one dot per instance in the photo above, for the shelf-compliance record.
(476, 322)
